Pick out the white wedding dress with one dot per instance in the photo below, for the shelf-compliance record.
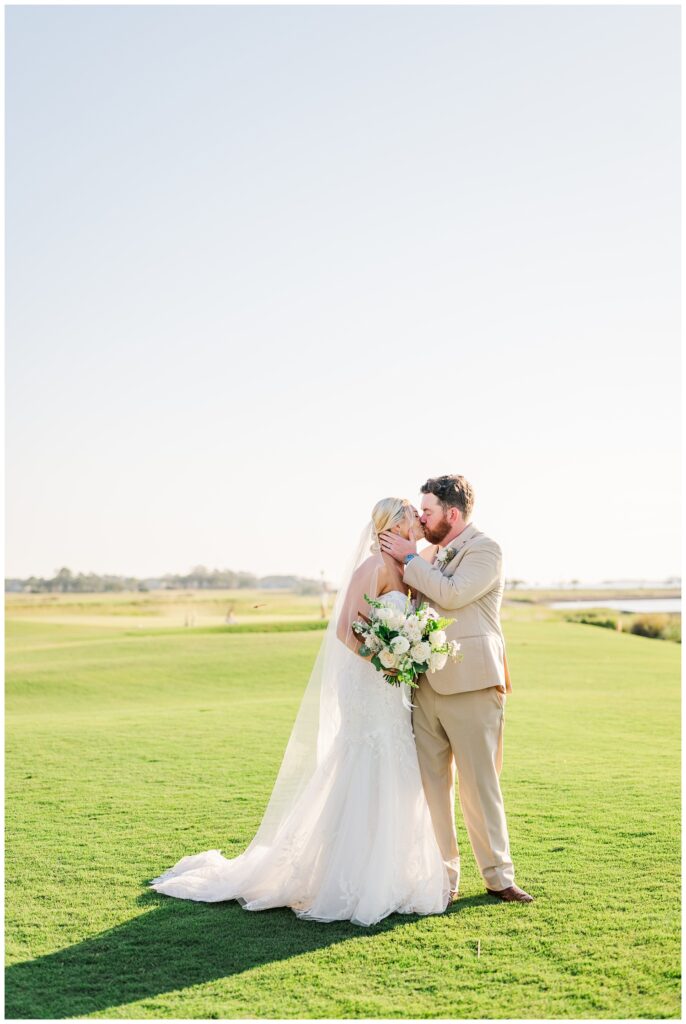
(358, 844)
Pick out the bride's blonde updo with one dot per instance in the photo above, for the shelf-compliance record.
(385, 514)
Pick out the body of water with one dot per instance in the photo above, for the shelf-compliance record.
(671, 584)
(645, 604)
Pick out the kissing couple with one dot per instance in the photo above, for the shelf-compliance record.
(361, 820)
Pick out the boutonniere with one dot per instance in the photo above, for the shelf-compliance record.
(445, 556)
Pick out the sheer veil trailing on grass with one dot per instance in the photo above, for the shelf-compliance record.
(346, 833)
(319, 716)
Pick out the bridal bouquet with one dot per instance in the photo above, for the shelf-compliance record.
(410, 642)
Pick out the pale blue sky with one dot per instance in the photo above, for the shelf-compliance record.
(266, 265)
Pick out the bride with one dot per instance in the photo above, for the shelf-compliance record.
(347, 833)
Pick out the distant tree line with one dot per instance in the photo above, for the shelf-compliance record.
(199, 578)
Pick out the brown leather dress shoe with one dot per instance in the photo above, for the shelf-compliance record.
(513, 892)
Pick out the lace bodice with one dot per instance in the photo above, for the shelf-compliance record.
(371, 709)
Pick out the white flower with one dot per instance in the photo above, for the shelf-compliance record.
(437, 638)
(420, 652)
(387, 658)
(384, 614)
(437, 661)
(454, 648)
(372, 642)
(413, 628)
(400, 644)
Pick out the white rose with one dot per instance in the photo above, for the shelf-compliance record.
(420, 652)
(383, 614)
(397, 621)
(400, 644)
(413, 634)
(437, 661)
(387, 658)
(437, 638)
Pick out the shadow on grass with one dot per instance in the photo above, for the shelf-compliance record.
(181, 943)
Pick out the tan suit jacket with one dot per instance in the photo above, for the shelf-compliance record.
(468, 588)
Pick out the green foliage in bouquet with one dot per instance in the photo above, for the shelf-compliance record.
(407, 671)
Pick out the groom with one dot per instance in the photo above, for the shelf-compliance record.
(459, 716)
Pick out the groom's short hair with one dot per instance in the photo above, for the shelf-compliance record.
(452, 491)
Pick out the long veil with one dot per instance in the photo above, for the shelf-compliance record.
(318, 719)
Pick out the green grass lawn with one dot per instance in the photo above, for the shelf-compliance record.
(128, 749)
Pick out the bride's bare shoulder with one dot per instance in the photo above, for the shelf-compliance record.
(372, 566)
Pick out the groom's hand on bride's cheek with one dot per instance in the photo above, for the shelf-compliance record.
(395, 546)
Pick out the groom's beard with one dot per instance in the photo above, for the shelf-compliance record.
(436, 535)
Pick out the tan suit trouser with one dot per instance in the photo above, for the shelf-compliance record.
(465, 731)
